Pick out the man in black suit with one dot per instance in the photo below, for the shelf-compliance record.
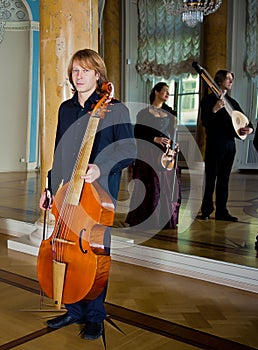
(220, 147)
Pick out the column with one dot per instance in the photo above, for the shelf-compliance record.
(214, 52)
(112, 43)
(65, 27)
(215, 40)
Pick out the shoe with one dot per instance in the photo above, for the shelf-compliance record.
(226, 217)
(61, 321)
(92, 330)
(204, 217)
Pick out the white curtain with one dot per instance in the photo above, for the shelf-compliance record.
(166, 46)
(251, 64)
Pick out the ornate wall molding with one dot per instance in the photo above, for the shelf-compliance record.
(21, 26)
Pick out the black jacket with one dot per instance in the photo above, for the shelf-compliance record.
(113, 148)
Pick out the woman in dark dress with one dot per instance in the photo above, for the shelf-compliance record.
(156, 195)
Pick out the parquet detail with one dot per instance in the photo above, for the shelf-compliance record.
(187, 335)
(196, 304)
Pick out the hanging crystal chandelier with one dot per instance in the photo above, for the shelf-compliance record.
(3, 16)
(192, 11)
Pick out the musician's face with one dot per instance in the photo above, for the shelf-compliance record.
(228, 82)
(84, 79)
(163, 94)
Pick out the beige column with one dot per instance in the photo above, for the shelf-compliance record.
(215, 40)
(65, 27)
(112, 43)
(214, 54)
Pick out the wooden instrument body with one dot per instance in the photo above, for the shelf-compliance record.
(87, 268)
(168, 158)
(239, 120)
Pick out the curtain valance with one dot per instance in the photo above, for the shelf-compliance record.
(166, 46)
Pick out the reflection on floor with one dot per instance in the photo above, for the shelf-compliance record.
(218, 240)
(154, 309)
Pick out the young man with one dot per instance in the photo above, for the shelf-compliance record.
(220, 147)
(113, 150)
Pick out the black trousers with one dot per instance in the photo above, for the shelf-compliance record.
(255, 142)
(219, 158)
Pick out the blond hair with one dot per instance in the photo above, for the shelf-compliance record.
(89, 59)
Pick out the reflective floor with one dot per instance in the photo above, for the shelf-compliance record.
(232, 242)
(219, 240)
(153, 309)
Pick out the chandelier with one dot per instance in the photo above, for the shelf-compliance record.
(3, 16)
(192, 11)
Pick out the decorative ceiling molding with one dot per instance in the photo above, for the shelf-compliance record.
(13, 11)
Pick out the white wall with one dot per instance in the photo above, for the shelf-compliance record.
(14, 72)
(243, 90)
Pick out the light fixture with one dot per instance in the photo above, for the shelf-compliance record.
(3, 16)
(192, 11)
